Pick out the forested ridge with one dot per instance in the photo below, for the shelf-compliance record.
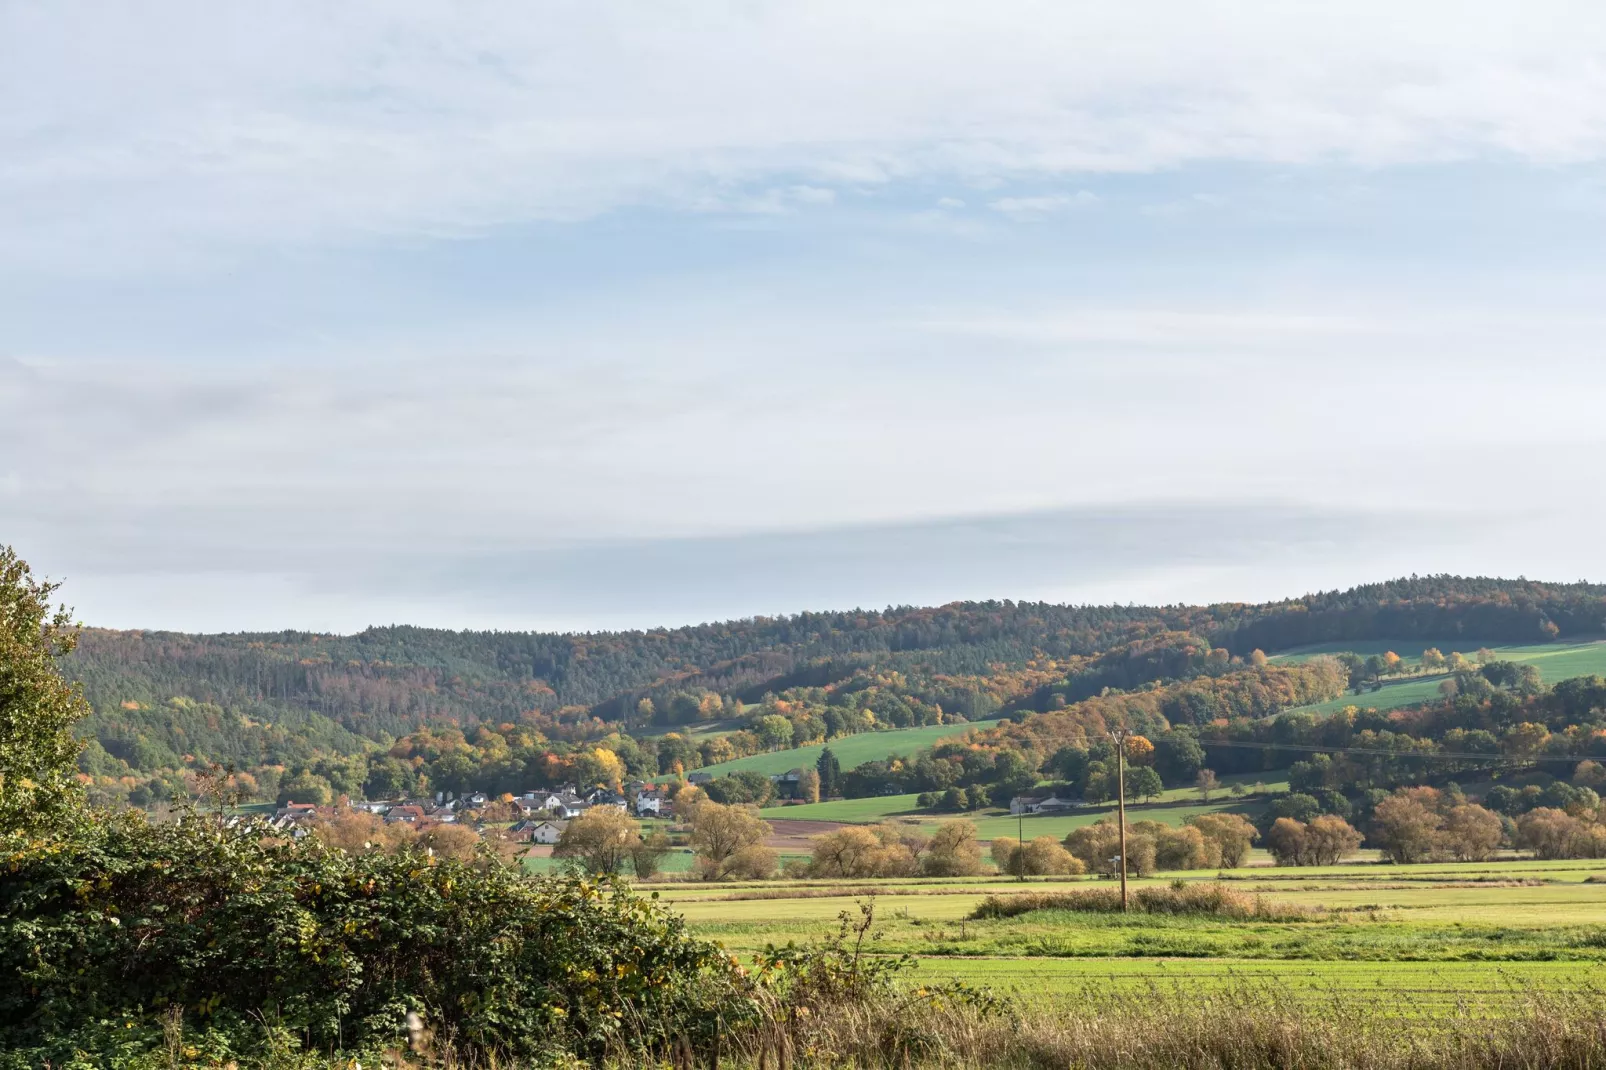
(165, 701)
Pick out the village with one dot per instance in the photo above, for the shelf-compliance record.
(535, 817)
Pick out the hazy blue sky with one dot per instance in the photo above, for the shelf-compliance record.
(599, 314)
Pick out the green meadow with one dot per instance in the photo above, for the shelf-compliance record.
(1171, 807)
(1432, 936)
(849, 750)
(1555, 661)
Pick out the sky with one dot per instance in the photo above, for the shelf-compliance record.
(608, 315)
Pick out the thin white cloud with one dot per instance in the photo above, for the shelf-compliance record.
(811, 329)
(144, 134)
(778, 200)
(1029, 209)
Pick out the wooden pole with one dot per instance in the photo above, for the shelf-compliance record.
(1020, 845)
(1120, 802)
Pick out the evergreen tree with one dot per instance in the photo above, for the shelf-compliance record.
(830, 771)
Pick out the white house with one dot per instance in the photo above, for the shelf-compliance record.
(1041, 804)
(565, 803)
(652, 801)
(547, 831)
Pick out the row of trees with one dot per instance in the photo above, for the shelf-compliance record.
(1422, 824)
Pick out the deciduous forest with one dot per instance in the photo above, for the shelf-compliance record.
(399, 709)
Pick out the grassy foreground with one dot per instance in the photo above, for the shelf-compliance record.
(1426, 942)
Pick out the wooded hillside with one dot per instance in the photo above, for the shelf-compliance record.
(164, 701)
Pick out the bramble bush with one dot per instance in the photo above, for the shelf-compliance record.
(112, 929)
(128, 944)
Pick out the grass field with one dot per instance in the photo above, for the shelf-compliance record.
(1419, 938)
(993, 823)
(853, 811)
(1408, 987)
(849, 750)
(1060, 825)
(1172, 807)
(676, 861)
(1555, 661)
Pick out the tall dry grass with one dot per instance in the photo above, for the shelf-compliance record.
(1240, 1029)
(1212, 900)
(1245, 1027)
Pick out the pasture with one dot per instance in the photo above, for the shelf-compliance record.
(1555, 661)
(1171, 807)
(850, 750)
(1418, 938)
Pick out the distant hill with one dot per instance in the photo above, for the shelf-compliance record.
(165, 699)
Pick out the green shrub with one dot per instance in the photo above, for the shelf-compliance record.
(105, 931)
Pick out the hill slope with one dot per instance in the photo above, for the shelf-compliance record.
(166, 701)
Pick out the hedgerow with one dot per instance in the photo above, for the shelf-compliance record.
(111, 931)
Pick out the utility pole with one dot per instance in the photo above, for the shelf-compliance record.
(1119, 735)
(1020, 845)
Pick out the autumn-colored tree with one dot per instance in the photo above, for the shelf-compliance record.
(1325, 840)
(808, 786)
(1178, 848)
(1006, 855)
(599, 767)
(1329, 839)
(1206, 783)
(352, 831)
(1139, 751)
(1590, 774)
(1098, 844)
(1526, 738)
(1551, 834)
(954, 851)
(719, 833)
(1472, 833)
(686, 797)
(1432, 660)
(1286, 841)
(1231, 833)
(1043, 856)
(1406, 829)
(756, 863)
(884, 850)
(850, 851)
(599, 840)
(455, 842)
